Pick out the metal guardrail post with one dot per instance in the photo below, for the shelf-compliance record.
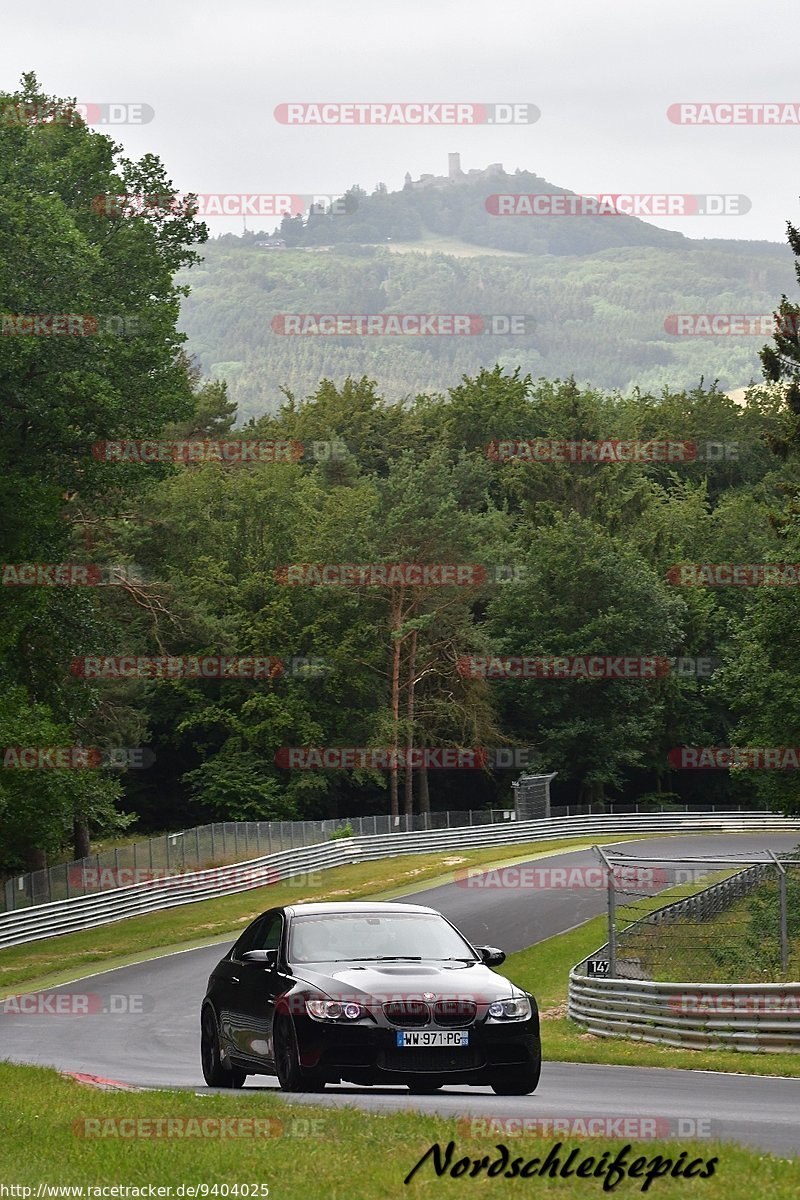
(784, 919)
(612, 915)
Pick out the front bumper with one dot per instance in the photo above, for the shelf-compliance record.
(368, 1052)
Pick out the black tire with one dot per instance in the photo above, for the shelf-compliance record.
(424, 1087)
(215, 1073)
(519, 1081)
(291, 1075)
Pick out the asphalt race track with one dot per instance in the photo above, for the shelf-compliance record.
(158, 1045)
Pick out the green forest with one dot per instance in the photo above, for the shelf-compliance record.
(578, 556)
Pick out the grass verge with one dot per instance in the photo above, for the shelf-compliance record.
(741, 943)
(544, 970)
(313, 1152)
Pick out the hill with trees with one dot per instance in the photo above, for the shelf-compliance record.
(598, 293)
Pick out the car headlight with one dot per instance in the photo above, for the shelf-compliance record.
(518, 1008)
(334, 1010)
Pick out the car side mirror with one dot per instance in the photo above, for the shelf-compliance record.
(263, 958)
(491, 956)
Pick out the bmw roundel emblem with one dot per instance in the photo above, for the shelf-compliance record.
(428, 996)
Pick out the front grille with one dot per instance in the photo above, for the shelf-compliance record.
(407, 1012)
(455, 1012)
(432, 1060)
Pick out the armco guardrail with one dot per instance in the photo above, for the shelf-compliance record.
(87, 912)
(738, 1016)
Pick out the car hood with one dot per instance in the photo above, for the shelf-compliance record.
(378, 983)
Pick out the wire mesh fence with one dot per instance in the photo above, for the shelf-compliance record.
(214, 845)
(714, 921)
(224, 842)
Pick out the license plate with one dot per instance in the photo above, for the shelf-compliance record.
(456, 1037)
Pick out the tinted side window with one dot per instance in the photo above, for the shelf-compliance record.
(249, 939)
(268, 934)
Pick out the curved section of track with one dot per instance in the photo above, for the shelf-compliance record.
(142, 1027)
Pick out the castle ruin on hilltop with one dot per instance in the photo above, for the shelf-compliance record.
(454, 175)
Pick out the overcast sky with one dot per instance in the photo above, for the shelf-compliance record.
(603, 77)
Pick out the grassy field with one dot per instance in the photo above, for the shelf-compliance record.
(57, 1132)
(439, 244)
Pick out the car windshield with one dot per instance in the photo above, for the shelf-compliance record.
(365, 937)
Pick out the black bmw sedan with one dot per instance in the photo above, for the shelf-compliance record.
(366, 993)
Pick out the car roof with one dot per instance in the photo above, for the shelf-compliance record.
(356, 906)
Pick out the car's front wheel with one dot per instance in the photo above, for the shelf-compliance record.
(521, 1080)
(291, 1075)
(215, 1073)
